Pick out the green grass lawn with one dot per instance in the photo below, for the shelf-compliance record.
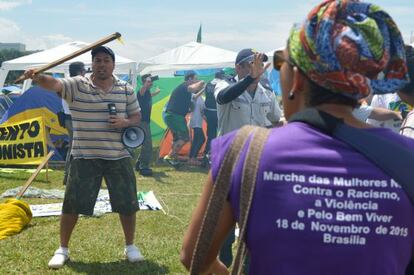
(97, 243)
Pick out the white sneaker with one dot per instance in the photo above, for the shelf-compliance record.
(133, 254)
(59, 259)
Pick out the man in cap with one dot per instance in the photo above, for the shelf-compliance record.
(97, 148)
(75, 69)
(144, 97)
(177, 108)
(244, 102)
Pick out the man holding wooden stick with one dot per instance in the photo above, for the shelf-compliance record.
(97, 148)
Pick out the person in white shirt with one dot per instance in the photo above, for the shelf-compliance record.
(196, 123)
(391, 102)
(365, 112)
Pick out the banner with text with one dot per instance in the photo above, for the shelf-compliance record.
(23, 142)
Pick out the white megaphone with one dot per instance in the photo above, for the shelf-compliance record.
(132, 137)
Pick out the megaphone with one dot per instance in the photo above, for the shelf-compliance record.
(133, 137)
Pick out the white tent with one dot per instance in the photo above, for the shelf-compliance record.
(123, 65)
(192, 55)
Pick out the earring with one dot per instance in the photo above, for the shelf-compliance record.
(291, 95)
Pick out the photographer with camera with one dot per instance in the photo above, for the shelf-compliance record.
(144, 97)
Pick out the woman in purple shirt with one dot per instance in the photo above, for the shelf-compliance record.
(319, 206)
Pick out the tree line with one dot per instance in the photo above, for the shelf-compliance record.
(9, 54)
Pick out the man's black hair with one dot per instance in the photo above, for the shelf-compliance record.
(76, 68)
(320, 95)
(144, 77)
(189, 74)
(409, 52)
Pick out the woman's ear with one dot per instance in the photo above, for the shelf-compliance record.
(298, 81)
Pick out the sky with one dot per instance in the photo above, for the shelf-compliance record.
(152, 27)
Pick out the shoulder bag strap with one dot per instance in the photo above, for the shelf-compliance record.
(247, 187)
(217, 199)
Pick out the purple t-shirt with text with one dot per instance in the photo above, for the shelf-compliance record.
(322, 208)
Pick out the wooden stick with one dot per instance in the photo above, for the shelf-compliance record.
(33, 176)
(73, 55)
(47, 171)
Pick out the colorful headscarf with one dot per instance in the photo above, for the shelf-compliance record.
(350, 47)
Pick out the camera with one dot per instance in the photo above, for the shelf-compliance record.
(112, 109)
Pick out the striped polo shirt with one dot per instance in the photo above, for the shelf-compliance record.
(92, 137)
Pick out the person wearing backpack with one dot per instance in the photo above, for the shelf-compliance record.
(318, 205)
(210, 110)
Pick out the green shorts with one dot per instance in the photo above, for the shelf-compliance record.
(177, 125)
(84, 182)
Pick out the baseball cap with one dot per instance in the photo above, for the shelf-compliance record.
(247, 55)
(103, 49)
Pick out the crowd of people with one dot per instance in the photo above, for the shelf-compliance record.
(319, 203)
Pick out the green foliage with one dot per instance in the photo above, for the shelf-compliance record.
(97, 243)
(10, 54)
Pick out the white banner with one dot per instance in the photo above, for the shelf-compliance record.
(146, 200)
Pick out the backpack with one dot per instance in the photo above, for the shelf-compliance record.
(210, 102)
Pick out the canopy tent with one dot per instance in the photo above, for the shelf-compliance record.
(123, 65)
(189, 56)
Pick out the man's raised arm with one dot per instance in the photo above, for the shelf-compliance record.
(196, 86)
(45, 81)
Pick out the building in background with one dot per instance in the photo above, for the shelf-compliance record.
(13, 46)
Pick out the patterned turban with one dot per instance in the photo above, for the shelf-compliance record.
(350, 47)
